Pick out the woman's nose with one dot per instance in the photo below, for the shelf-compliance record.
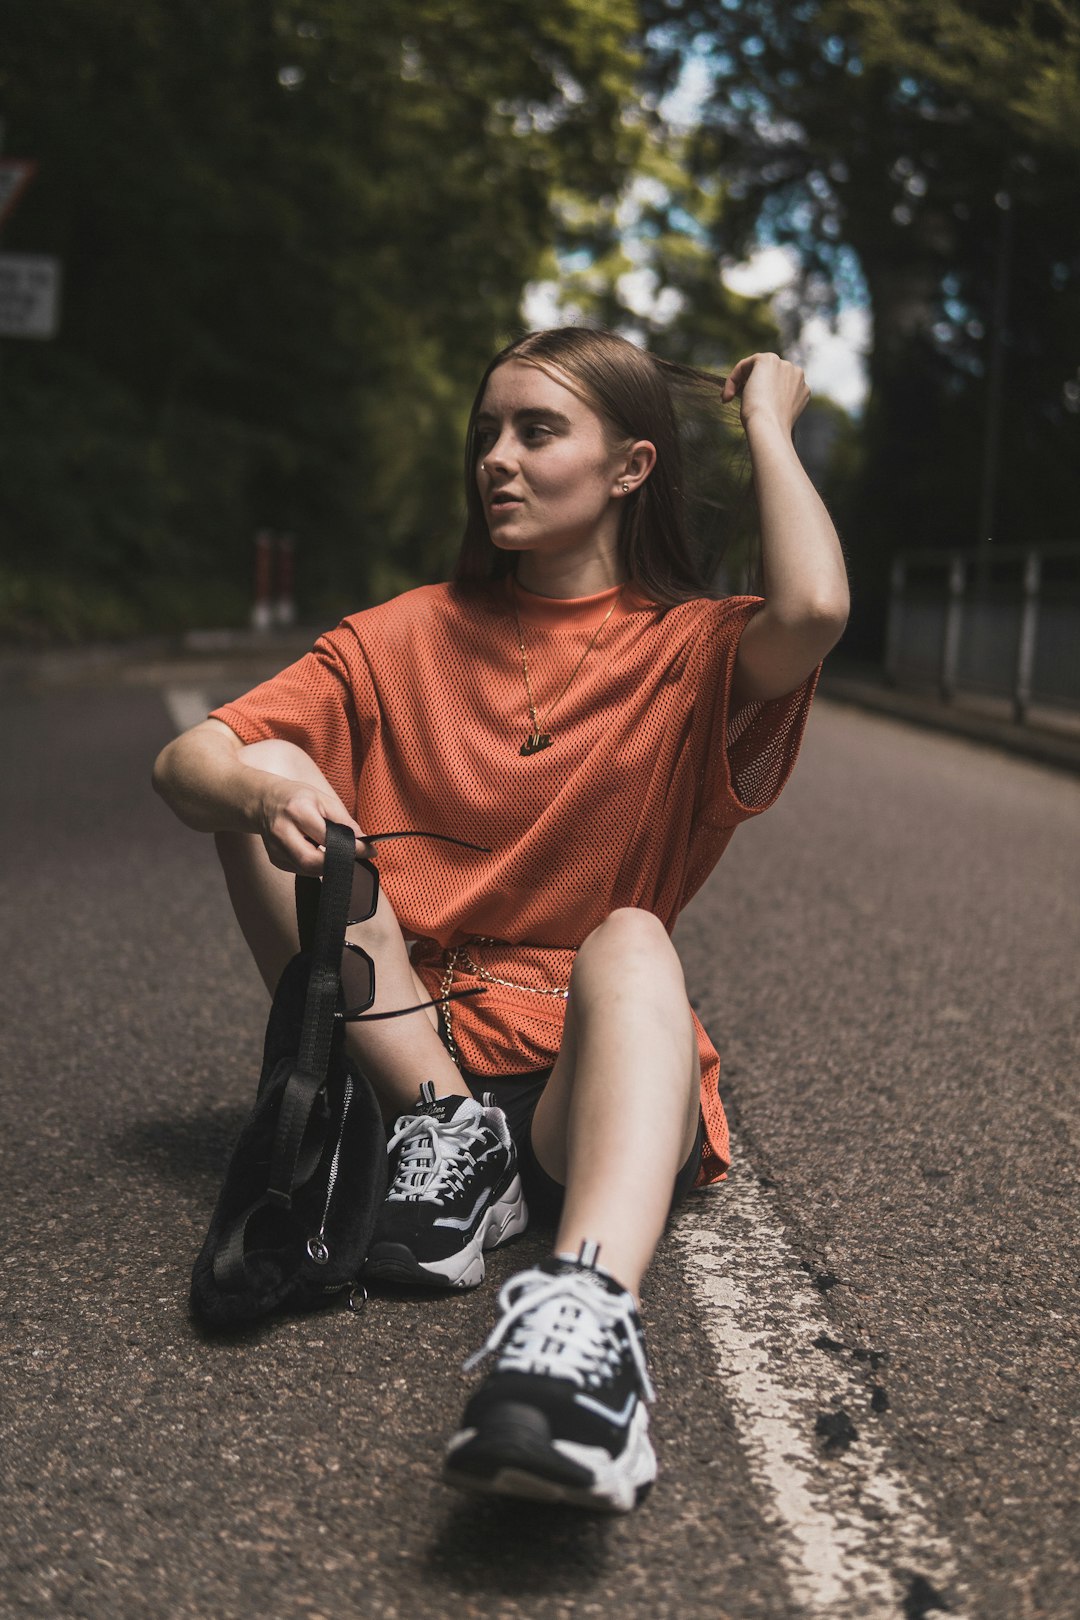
(499, 456)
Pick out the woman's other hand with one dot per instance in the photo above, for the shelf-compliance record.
(767, 386)
(292, 819)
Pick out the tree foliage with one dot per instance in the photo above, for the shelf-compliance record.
(905, 132)
(1020, 62)
(291, 232)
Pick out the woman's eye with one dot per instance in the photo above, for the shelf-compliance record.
(536, 431)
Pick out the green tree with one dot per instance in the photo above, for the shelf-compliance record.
(851, 126)
(1020, 61)
(291, 234)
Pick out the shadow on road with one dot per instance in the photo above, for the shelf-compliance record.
(513, 1548)
(183, 1149)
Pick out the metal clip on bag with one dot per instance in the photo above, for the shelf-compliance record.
(308, 1174)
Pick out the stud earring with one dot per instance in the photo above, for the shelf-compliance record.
(626, 489)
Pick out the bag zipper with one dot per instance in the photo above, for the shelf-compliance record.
(316, 1246)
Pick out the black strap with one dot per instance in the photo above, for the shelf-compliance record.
(289, 1168)
(324, 983)
(308, 890)
(326, 949)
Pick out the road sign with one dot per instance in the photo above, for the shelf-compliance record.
(29, 295)
(15, 175)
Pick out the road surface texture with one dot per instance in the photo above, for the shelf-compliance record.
(864, 1342)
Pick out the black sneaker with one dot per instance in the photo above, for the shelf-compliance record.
(454, 1192)
(562, 1416)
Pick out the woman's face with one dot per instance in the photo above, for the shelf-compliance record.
(547, 475)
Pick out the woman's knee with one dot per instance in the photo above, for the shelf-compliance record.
(630, 936)
(630, 954)
(280, 758)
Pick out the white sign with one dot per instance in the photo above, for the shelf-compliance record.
(29, 295)
(15, 175)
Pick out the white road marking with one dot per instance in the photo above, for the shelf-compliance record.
(187, 705)
(852, 1535)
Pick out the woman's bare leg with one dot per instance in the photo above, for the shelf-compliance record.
(396, 1053)
(619, 1115)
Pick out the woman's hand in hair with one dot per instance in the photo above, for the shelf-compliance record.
(767, 386)
(292, 823)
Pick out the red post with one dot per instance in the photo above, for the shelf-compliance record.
(285, 607)
(262, 612)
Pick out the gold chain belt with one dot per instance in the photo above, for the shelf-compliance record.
(457, 953)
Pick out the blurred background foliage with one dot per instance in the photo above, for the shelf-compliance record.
(293, 233)
(936, 144)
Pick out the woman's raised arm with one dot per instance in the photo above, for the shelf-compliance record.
(805, 581)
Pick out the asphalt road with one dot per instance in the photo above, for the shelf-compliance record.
(888, 963)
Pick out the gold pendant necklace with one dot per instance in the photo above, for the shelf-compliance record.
(537, 739)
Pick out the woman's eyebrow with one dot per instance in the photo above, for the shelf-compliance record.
(528, 413)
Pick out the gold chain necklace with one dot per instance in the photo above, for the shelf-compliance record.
(538, 739)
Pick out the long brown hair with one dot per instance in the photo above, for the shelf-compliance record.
(631, 391)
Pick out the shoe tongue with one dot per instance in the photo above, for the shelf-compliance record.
(559, 1265)
(569, 1265)
(448, 1108)
(565, 1265)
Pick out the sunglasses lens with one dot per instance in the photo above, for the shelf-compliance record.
(364, 893)
(357, 980)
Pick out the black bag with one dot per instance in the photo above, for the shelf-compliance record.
(307, 1177)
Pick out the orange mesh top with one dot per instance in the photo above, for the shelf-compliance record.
(415, 712)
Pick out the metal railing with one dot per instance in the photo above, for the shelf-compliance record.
(1006, 626)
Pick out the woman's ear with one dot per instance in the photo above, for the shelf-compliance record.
(639, 463)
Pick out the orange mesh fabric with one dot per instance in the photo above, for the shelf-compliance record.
(415, 711)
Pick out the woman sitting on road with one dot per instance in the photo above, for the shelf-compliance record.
(577, 701)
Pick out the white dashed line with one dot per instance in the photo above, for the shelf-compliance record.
(187, 705)
(853, 1540)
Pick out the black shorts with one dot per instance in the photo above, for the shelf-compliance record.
(517, 1095)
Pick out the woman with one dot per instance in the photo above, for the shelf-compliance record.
(576, 702)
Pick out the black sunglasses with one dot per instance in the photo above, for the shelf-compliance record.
(357, 967)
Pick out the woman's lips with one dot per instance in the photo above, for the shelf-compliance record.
(502, 504)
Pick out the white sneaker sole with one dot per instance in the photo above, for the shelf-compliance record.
(501, 1221)
(618, 1485)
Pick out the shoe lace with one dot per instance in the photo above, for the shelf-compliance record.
(434, 1154)
(565, 1326)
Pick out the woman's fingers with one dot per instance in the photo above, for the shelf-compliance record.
(293, 837)
(737, 376)
(294, 826)
(766, 382)
(289, 850)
